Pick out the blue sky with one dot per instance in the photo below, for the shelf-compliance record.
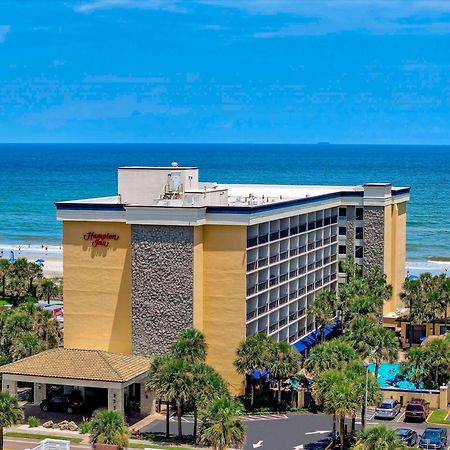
(288, 71)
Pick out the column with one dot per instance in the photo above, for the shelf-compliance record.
(147, 400)
(116, 400)
(40, 392)
(9, 385)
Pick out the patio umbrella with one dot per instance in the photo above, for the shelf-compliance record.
(413, 277)
(40, 261)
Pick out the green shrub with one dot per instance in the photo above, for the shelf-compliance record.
(33, 422)
(84, 427)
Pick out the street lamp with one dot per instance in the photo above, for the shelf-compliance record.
(365, 395)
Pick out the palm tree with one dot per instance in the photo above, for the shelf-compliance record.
(10, 413)
(172, 378)
(284, 363)
(344, 400)
(26, 344)
(190, 346)
(414, 365)
(322, 384)
(253, 354)
(334, 354)
(33, 271)
(437, 358)
(410, 297)
(379, 437)
(222, 426)
(207, 385)
(109, 427)
(48, 289)
(323, 309)
(384, 346)
(358, 329)
(4, 271)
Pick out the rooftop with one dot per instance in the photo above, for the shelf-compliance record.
(92, 365)
(175, 186)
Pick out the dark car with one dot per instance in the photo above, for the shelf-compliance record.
(417, 409)
(433, 438)
(62, 403)
(409, 437)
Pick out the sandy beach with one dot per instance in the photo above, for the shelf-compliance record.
(52, 256)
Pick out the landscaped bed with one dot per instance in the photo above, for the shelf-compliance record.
(439, 417)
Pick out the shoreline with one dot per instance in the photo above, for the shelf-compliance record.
(51, 254)
(53, 257)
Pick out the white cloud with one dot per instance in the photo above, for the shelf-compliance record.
(4, 30)
(93, 5)
(312, 17)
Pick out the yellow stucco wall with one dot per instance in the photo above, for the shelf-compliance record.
(224, 285)
(97, 288)
(394, 252)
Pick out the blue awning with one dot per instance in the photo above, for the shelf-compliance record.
(257, 374)
(300, 346)
(310, 340)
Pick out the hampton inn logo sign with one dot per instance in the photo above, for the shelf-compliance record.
(100, 240)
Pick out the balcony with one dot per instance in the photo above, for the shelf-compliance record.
(262, 309)
(263, 239)
(273, 327)
(293, 295)
(293, 252)
(284, 233)
(252, 242)
(293, 317)
(284, 277)
(293, 273)
(283, 300)
(252, 290)
(302, 228)
(251, 315)
(293, 231)
(284, 255)
(275, 235)
(302, 249)
(311, 246)
(273, 305)
(283, 322)
(262, 286)
(273, 281)
(252, 266)
(263, 262)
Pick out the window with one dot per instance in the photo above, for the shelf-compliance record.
(342, 212)
(359, 233)
(359, 213)
(342, 231)
(342, 249)
(359, 252)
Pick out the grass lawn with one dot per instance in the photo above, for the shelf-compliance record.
(4, 302)
(39, 437)
(438, 417)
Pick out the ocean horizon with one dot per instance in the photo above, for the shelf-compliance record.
(34, 176)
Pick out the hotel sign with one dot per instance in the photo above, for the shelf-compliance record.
(100, 240)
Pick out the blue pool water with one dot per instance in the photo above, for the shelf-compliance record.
(389, 376)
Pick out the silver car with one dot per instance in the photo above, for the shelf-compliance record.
(387, 409)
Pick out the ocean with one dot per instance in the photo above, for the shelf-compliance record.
(34, 176)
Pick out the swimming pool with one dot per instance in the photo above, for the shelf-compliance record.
(389, 376)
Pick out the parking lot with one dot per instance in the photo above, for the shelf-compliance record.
(290, 431)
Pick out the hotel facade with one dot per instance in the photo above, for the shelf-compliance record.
(169, 252)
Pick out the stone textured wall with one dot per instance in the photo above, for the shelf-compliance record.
(162, 286)
(373, 237)
(350, 235)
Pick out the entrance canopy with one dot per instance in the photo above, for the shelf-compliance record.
(115, 372)
(81, 365)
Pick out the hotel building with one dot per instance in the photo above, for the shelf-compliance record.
(169, 252)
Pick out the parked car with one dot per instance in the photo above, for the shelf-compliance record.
(417, 409)
(387, 409)
(62, 403)
(433, 438)
(409, 437)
